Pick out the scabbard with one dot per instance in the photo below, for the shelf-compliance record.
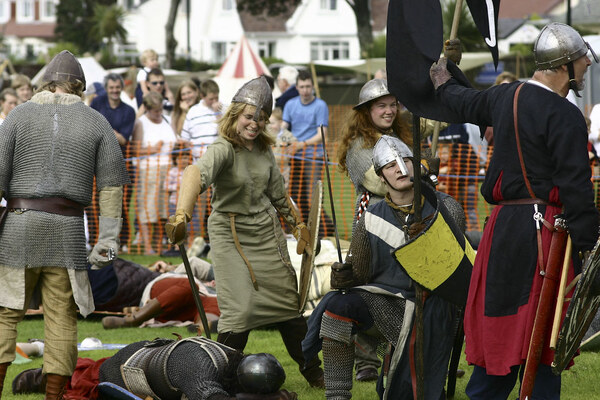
(545, 309)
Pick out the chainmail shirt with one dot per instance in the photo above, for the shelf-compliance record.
(53, 146)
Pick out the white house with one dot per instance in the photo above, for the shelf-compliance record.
(27, 26)
(315, 29)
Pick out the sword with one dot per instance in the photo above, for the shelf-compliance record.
(199, 306)
(337, 237)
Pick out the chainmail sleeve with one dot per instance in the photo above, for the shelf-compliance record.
(358, 161)
(457, 212)
(359, 254)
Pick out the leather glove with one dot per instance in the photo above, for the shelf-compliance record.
(453, 50)
(417, 227)
(302, 235)
(438, 73)
(105, 250)
(342, 276)
(280, 395)
(176, 228)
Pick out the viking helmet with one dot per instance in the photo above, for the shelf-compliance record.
(388, 149)
(260, 373)
(372, 90)
(256, 92)
(559, 44)
(64, 67)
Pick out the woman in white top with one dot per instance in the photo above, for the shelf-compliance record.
(153, 140)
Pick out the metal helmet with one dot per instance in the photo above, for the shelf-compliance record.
(64, 67)
(260, 373)
(256, 92)
(372, 90)
(559, 44)
(388, 149)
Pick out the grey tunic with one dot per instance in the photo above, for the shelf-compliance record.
(52, 146)
(248, 186)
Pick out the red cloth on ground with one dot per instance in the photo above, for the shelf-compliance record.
(177, 301)
(85, 379)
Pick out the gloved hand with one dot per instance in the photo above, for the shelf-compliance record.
(453, 50)
(417, 227)
(438, 73)
(176, 228)
(105, 250)
(342, 276)
(302, 235)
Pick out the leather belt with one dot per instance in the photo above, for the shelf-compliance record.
(53, 205)
(516, 202)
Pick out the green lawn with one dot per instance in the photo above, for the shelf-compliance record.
(581, 382)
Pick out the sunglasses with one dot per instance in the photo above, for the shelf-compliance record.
(155, 83)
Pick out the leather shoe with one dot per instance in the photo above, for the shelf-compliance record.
(29, 381)
(367, 375)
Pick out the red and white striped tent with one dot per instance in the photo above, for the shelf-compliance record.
(242, 64)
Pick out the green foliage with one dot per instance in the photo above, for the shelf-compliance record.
(60, 46)
(378, 47)
(74, 21)
(107, 22)
(467, 32)
(271, 7)
(182, 65)
(272, 60)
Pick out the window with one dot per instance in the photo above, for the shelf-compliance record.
(329, 50)
(328, 4)
(25, 10)
(219, 51)
(48, 9)
(227, 4)
(4, 10)
(266, 49)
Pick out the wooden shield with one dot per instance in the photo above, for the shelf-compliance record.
(308, 258)
(580, 314)
(440, 258)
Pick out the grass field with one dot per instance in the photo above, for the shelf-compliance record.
(581, 382)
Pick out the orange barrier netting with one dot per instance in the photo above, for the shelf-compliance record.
(152, 196)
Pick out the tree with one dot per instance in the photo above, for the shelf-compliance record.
(361, 8)
(470, 38)
(171, 43)
(73, 22)
(107, 22)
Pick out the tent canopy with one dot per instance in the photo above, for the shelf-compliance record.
(241, 65)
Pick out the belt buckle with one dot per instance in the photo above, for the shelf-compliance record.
(18, 210)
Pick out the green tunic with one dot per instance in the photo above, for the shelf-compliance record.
(248, 186)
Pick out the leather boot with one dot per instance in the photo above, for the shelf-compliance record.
(234, 340)
(150, 310)
(55, 386)
(293, 332)
(29, 381)
(3, 368)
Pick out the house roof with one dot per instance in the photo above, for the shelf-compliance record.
(523, 9)
(276, 23)
(265, 22)
(379, 14)
(35, 29)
